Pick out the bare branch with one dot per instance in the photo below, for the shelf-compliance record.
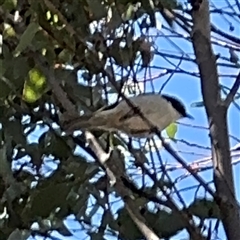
(225, 35)
(115, 174)
(233, 91)
(186, 215)
(187, 167)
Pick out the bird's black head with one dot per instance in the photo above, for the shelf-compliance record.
(178, 105)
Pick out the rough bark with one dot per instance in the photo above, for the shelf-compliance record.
(216, 110)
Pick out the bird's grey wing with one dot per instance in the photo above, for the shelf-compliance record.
(131, 113)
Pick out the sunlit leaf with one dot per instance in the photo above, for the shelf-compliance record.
(128, 15)
(171, 130)
(34, 86)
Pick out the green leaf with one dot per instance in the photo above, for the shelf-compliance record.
(48, 199)
(20, 71)
(97, 9)
(80, 168)
(5, 170)
(2, 68)
(20, 235)
(5, 90)
(204, 208)
(55, 145)
(123, 56)
(34, 86)
(15, 130)
(165, 224)
(27, 37)
(171, 130)
(9, 5)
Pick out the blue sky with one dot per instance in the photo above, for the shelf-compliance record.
(187, 88)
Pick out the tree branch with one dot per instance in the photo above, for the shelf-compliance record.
(216, 113)
(233, 91)
(192, 229)
(115, 174)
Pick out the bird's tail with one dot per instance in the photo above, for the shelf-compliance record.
(92, 121)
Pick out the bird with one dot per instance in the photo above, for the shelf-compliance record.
(149, 111)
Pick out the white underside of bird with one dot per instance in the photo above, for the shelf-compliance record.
(158, 111)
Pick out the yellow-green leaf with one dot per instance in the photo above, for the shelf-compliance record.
(171, 130)
(34, 86)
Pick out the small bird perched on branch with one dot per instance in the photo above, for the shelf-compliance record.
(139, 117)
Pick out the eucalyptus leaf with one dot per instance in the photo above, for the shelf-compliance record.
(5, 170)
(46, 200)
(5, 89)
(27, 37)
(19, 235)
(15, 130)
(204, 209)
(166, 224)
(2, 68)
(20, 68)
(9, 5)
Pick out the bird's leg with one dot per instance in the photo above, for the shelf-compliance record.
(129, 145)
(154, 130)
(109, 143)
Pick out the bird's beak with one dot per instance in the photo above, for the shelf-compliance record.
(190, 116)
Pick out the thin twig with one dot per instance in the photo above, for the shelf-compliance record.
(233, 91)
